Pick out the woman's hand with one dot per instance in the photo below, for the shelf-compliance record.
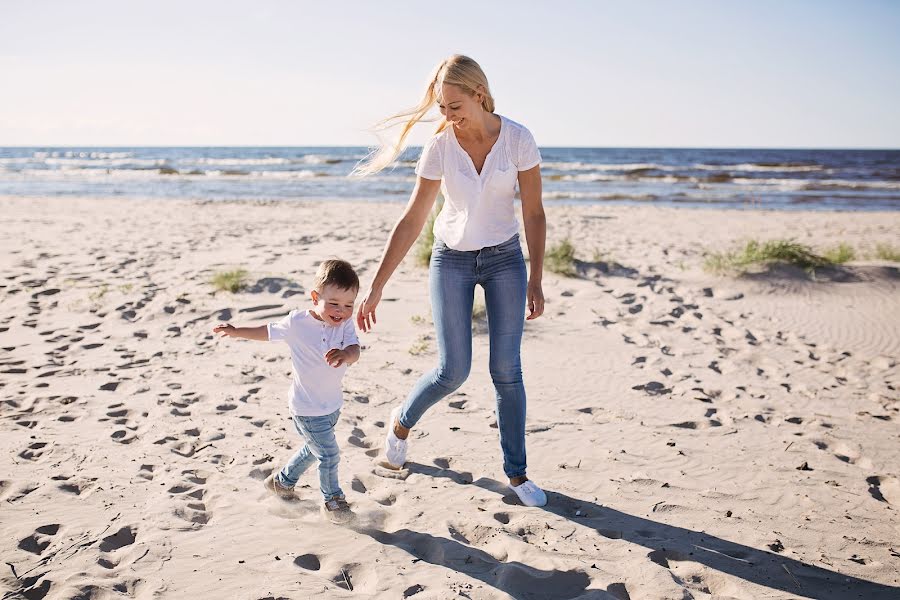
(535, 300)
(365, 317)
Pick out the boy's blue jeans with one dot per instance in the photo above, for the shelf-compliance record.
(321, 445)
(500, 270)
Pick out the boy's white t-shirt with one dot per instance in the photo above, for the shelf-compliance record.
(478, 209)
(316, 386)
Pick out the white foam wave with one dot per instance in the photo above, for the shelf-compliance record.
(236, 162)
(104, 162)
(582, 166)
(751, 167)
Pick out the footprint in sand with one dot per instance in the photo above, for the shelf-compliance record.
(124, 537)
(77, 487)
(653, 388)
(884, 489)
(146, 472)
(358, 438)
(34, 451)
(126, 434)
(358, 486)
(310, 562)
(188, 495)
(618, 591)
(38, 541)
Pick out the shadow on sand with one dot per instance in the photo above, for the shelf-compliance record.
(663, 542)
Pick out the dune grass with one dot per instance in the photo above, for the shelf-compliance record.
(757, 254)
(229, 281)
(426, 238)
(840, 254)
(887, 252)
(560, 258)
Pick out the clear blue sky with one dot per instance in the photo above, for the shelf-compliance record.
(788, 73)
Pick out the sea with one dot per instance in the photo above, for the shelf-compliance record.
(780, 179)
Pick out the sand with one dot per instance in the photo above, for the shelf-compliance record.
(700, 436)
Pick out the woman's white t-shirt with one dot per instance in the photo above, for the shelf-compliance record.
(478, 209)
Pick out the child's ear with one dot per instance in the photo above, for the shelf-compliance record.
(315, 296)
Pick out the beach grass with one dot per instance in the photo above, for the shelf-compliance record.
(426, 238)
(420, 346)
(479, 311)
(229, 281)
(887, 252)
(840, 254)
(560, 258)
(759, 254)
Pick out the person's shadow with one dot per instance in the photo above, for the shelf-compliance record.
(663, 542)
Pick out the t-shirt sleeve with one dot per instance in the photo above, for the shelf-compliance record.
(350, 337)
(430, 165)
(279, 331)
(528, 154)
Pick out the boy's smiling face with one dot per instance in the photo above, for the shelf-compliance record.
(334, 305)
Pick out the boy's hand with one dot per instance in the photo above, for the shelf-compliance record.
(335, 357)
(226, 329)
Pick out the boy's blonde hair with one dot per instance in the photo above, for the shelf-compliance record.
(457, 70)
(338, 273)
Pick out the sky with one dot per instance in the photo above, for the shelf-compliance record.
(787, 73)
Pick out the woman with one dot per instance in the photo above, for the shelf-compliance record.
(479, 157)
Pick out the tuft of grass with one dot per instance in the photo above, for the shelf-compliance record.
(887, 252)
(560, 258)
(426, 239)
(229, 281)
(756, 253)
(98, 293)
(840, 254)
(479, 311)
(420, 346)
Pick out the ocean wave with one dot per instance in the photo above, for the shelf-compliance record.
(761, 166)
(639, 169)
(585, 166)
(104, 162)
(817, 184)
(41, 154)
(599, 196)
(847, 184)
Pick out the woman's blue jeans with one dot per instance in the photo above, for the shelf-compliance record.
(500, 270)
(321, 446)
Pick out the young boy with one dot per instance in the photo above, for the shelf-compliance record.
(323, 343)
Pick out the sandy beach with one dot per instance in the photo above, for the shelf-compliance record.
(700, 436)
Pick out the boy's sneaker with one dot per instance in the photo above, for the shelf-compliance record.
(530, 494)
(337, 511)
(394, 447)
(273, 486)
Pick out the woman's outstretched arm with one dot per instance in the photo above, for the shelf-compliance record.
(535, 223)
(400, 241)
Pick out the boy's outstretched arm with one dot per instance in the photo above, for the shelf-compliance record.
(260, 333)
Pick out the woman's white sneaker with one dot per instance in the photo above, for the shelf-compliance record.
(530, 494)
(394, 447)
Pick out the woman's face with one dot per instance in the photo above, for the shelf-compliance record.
(458, 107)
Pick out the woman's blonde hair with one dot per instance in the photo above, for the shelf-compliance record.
(457, 70)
